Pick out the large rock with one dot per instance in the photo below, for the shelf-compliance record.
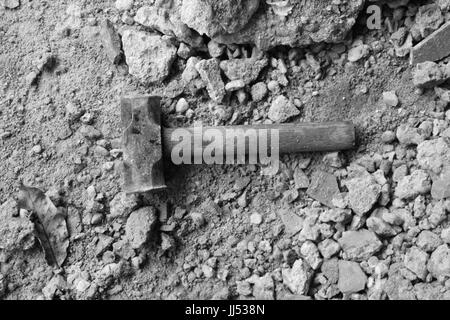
(351, 277)
(411, 186)
(359, 245)
(246, 69)
(216, 17)
(427, 75)
(434, 155)
(416, 261)
(139, 226)
(439, 263)
(167, 20)
(323, 187)
(364, 192)
(282, 109)
(149, 56)
(298, 278)
(296, 24)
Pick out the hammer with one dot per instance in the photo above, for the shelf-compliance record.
(145, 142)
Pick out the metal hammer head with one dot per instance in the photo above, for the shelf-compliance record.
(143, 161)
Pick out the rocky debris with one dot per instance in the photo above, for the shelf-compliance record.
(259, 91)
(11, 4)
(255, 218)
(167, 20)
(213, 18)
(409, 136)
(139, 226)
(124, 5)
(323, 188)
(416, 261)
(111, 42)
(122, 205)
(263, 287)
(329, 248)
(390, 98)
(298, 278)
(149, 56)
(428, 19)
(333, 159)
(434, 47)
(376, 223)
(182, 106)
(210, 73)
(234, 85)
(411, 186)
(246, 69)
(311, 254)
(357, 53)
(359, 245)
(428, 74)
(428, 241)
(301, 180)
(364, 191)
(17, 233)
(439, 263)
(434, 155)
(282, 109)
(267, 29)
(441, 185)
(293, 223)
(351, 277)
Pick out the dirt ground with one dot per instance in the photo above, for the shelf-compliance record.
(50, 59)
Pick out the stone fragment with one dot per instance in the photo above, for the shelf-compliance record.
(246, 69)
(337, 215)
(149, 56)
(413, 185)
(282, 109)
(234, 85)
(439, 262)
(358, 52)
(293, 223)
(359, 245)
(376, 224)
(329, 248)
(11, 4)
(428, 19)
(351, 277)
(255, 218)
(215, 49)
(301, 180)
(210, 73)
(441, 185)
(416, 261)
(311, 254)
(182, 106)
(409, 136)
(433, 155)
(434, 48)
(333, 159)
(364, 192)
(139, 226)
(258, 91)
(428, 241)
(323, 187)
(390, 98)
(427, 75)
(263, 287)
(111, 42)
(123, 5)
(122, 205)
(298, 278)
(167, 20)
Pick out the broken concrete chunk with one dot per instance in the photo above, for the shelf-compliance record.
(357, 53)
(411, 186)
(428, 19)
(364, 192)
(427, 75)
(416, 261)
(433, 155)
(301, 180)
(139, 225)
(439, 263)
(11, 4)
(149, 56)
(293, 223)
(323, 188)
(359, 245)
(122, 205)
(210, 73)
(111, 42)
(329, 248)
(433, 48)
(246, 69)
(409, 136)
(441, 185)
(282, 109)
(298, 278)
(351, 277)
(428, 241)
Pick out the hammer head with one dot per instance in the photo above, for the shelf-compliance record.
(143, 161)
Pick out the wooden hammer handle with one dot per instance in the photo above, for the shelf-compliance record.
(296, 137)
